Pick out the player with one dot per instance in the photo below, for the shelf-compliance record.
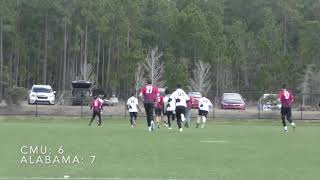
(158, 109)
(181, 99)
(96, 106)
(188, 113)
(170, 107)
(149, 93)
(133, 107)
(286, 99)
(203, 109)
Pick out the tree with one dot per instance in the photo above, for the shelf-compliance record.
(139, 77)
(87, 73)
(154, 66)
(201, 78)
(306, 84)
(1, 60)
(310, 43)
(176, 69)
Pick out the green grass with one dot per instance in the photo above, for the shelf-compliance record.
(256, 150)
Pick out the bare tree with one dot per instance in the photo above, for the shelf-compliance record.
(139, 77)
(200, 80)
(87, 73)
(315, 83)
(154, 66)
(306, 84)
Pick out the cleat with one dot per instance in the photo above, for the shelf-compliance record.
(169, 127)
(197, 125)
(180, 130)
(202, 126)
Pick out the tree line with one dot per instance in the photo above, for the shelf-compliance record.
(251, 45)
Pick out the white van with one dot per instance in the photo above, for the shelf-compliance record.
(41, 94)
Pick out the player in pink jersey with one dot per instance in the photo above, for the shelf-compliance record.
(286, 99)
(97, 107)
(149, 93)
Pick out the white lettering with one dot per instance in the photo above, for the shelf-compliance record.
(65, 160)
(43, 149)
(23, 160)
(47, 160)
(39, 160)
(56, 160)
(33, 150)
(30, 160)
(22, 150)
(75, 160)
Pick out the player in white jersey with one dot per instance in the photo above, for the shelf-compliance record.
(181, 99)
(203, 109)
(169, 107)
(133, 107)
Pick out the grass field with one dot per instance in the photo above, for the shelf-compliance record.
(229, 150)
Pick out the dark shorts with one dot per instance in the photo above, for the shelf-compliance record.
(157, 111)
(133, 115)
(202, 113)
(286, 111)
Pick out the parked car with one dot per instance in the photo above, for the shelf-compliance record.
(41, 94)
(80, 92)
(195, 99)
(269, 102)
(232, 101)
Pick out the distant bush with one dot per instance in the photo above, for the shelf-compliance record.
(15, 95)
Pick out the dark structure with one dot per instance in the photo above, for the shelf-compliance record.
(80, 92)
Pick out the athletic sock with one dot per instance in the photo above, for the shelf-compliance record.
(198, 119)
(204, 119)
(182, 117)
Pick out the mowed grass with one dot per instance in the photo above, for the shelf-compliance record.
(224, 149)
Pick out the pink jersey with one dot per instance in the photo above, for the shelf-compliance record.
(189, 103)
(96, 105)
(286, 98)
(159, 103)
(150, 93)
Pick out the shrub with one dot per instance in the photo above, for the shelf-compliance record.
(15, 95)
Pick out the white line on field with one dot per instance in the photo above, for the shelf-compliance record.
(58, 178)
(214, 141)
(76, 178)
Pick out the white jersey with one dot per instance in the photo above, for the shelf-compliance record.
(180, 97)
(204, 104)
(132, 104)
(169, 106)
